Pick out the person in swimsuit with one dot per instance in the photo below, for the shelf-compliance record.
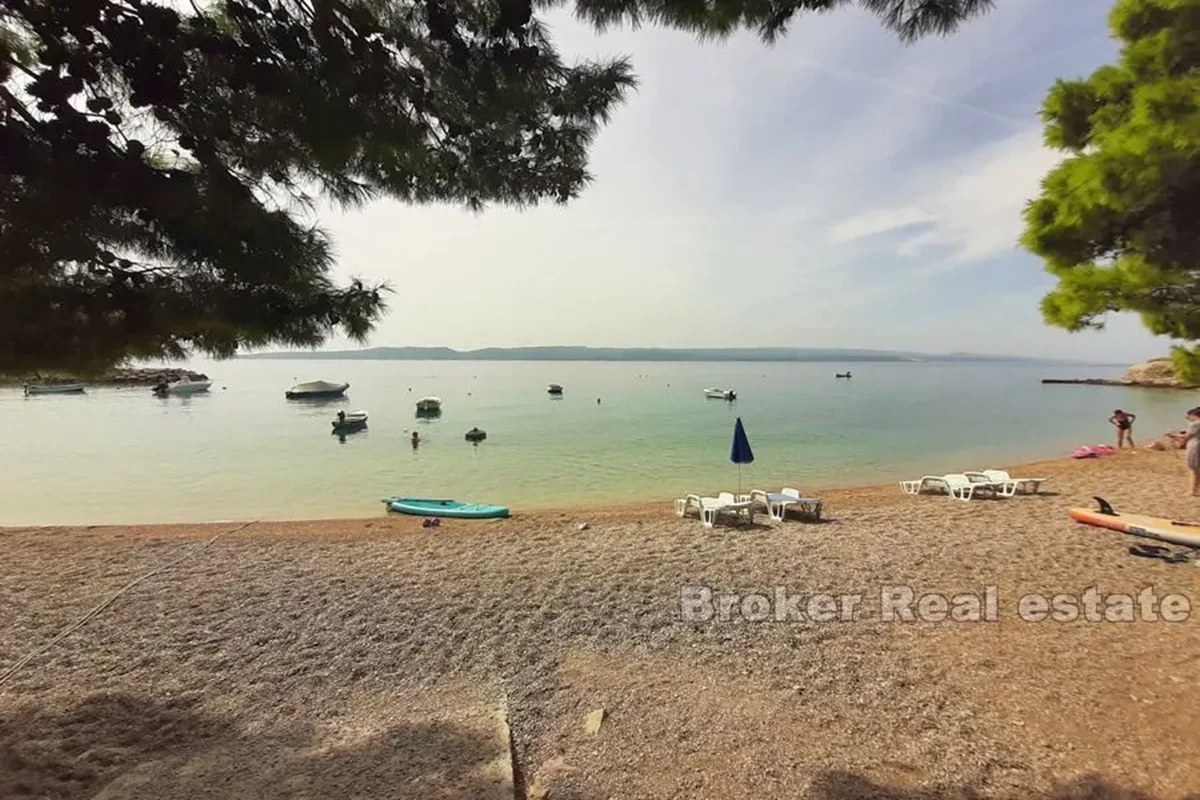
(1124, 423)
(1193, 448)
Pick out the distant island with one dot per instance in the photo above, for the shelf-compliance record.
(564, 353)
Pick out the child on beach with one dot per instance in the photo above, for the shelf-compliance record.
(1124, 423)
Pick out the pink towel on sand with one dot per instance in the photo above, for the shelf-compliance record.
(1093, 451)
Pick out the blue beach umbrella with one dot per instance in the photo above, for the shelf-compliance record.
(740, 453)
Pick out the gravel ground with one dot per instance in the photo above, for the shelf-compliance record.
(372, 658)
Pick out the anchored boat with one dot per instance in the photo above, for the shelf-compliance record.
(182, 387)
(554, 388)
(316, 389)
(429, 406)
(54, 388)
(349, 423)
(720, 394)
(445, 508)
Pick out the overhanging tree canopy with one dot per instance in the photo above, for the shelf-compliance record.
(1118, 222)
(156, 158)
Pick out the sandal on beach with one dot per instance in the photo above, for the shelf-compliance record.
(1155, 551)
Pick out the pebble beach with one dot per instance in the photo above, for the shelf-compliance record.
(539, 657)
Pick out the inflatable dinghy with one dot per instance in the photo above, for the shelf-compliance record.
(445, 508)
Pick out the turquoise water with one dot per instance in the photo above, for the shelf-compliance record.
(244, 452)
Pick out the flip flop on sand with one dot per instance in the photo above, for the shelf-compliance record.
(1155, 551)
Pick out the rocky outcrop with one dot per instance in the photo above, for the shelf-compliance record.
(149, 377)
(1157, 373)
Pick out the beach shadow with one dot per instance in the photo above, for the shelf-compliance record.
(67, 754)
(809, 521)
(133, 747)
(851, 786)
(745, 527)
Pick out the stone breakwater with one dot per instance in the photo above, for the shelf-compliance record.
(1118, 382)
(129, 376)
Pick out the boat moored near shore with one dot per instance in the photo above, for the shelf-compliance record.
(311, 390)
(181, 387)
(349, 423)
(429, 407)
(53, 388)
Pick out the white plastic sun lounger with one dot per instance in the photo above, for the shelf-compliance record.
(961, 487)
(777, 504)
(685, 504)
(1032, 485)
(711, 507)
(1000, 487)
(926, 482)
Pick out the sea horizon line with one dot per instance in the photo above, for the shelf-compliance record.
(656, 354)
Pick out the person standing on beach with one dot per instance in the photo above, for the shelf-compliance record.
(1124, 423)
(1193, 448)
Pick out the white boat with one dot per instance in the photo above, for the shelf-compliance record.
(54, 388)
(316, 389)
(182, 388)
(720, 394)
(554, 388)
(429, 405)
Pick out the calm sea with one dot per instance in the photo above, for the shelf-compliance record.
(244, 452)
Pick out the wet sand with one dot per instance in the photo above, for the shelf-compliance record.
(374, 658)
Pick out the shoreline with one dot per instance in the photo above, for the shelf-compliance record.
(836, 497)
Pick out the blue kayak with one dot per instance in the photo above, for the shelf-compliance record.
(445, 508)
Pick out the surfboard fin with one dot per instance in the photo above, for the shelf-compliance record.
(1105, 507)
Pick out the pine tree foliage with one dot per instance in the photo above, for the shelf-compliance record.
(1116, 221)
(160, 160)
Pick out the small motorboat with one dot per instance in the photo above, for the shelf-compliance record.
(429, 406)
(720, 394)
(445, 508)
(554, 388)
(54, 388)
(312, 390)
(475, 435)
(181, 388)
(841, 374)
(348, 423)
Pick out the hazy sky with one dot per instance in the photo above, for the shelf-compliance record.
(836, 190)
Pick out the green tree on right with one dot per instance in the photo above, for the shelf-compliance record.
(1118, 221)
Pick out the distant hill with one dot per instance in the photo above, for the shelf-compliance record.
(564, 353)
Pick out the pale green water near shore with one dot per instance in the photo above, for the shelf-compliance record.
(244, 452)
